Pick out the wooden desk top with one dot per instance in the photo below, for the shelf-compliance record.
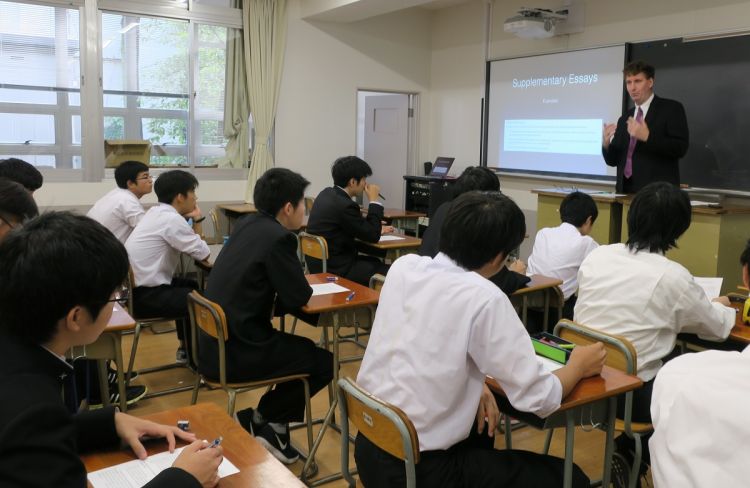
(258, 468)
(407, 242)
(610, 383)
(120, 320)
(722, 210)
(363, 296)
(740, 332)
(240, 208)
(538, 282)
(398, 213)
(608, 197)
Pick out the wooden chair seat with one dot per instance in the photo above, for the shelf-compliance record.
(254, 384)
(637, 427)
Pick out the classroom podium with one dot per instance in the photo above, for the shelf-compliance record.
(713, 243)
(607, 227)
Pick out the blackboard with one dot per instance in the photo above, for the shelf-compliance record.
(711, 78)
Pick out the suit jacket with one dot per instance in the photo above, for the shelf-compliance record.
(656, 159)
(40, 440)
(508, 281)
(337, 217)
(257, 269)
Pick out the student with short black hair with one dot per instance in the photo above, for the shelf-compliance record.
(460, 329)
(120, 210)
(154, 248)
(635, 291)
(21, 172)
(481, 178)
(16, 206)
(559, 251)
(258, 270)
(338, 218)
(70, 267)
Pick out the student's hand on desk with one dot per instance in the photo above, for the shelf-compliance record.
(202, 462)
(589, 360)
(487, 412)
(132, 429)
(387, 229)
(723, 300)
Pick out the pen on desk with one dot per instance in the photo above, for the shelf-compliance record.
(349, 297)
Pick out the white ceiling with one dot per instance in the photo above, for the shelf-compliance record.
(355, 10)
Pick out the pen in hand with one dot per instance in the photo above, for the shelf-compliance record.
(381, 196)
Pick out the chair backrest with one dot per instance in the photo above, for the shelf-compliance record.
(210, 318)
(314, 247)
(214, 218)
(376, 281)
(383, 424)
(620, 351)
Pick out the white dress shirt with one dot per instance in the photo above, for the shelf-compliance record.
(438, 330)
(699, 410)
(155, 245)
(119, 211)
(644, 108)
(648, 299)
(558, 253)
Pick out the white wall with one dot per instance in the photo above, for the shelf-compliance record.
(325, 64)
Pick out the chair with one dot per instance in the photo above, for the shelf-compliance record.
(376, 281)
(309, 204)
(383, 424)
(209, 317)
(620, 355)
(140, 323)
(314, 247)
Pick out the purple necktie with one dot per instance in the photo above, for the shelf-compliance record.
(631, 147)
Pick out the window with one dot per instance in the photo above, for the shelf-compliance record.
(162, 79)
(40, 59)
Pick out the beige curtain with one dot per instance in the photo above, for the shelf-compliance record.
(236, 107)
(264, 29)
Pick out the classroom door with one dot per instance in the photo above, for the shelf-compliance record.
(386, 143)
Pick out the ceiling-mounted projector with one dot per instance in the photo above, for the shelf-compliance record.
(534, 23)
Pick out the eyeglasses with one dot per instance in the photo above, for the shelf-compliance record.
(121, 296)
(145, 177)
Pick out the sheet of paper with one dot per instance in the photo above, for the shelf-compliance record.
(136, 473)
(711, 286)
(327, 289)
(700, 203)
(387, 238)
(549, 364)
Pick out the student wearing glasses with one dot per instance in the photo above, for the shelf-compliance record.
(120, 210)
(40, 440)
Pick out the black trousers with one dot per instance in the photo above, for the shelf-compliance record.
(165, 301)
(363, 269)
(470, 464)
(289, 354)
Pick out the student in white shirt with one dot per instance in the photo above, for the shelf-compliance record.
(699, 397)
(120, 210)
(441, 327)
(559, 251)
(635, 291)
(154, 249)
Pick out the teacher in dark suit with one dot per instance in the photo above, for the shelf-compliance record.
(338, 218)
(648, 141)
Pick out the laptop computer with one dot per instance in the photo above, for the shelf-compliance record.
(441, 167)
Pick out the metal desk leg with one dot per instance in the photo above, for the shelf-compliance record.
(569, 434)
(609, 443)
(545, 326)
(101, 365)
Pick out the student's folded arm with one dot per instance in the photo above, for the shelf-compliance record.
(363, 228)
(181, 236)
(696, 314)
(285, 272)
(501, 348)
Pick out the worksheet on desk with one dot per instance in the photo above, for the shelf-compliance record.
(711, 286)
(327, 289)
(136, 473)
(387, 238)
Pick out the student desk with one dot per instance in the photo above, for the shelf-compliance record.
(258, 468)
(713, 243)
(544, 284)
(233, 211)
(398, 217)
(334, 305)
(607, 227)
(738, 338)
(593, 401)
(109, 346)
(393, 249)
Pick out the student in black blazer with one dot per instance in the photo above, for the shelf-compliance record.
(338, 218)
(660, 139)
(58, 279)
(258, 270)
